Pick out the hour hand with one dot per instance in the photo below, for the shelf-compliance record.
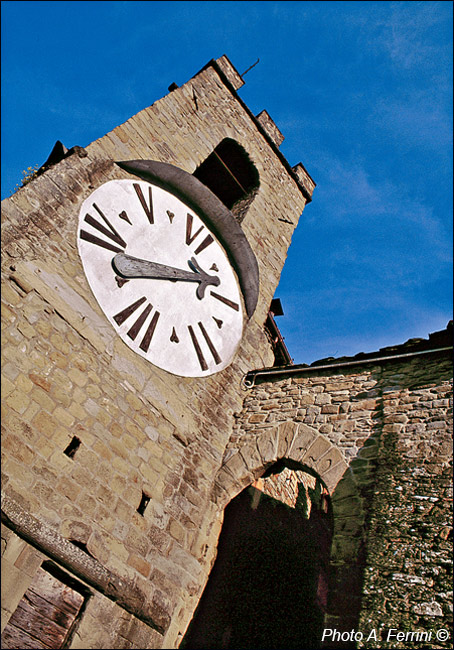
(129, 267)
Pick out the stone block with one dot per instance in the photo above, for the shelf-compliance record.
(313, 453)
(287, 431)
(14, 584)
(137, 562)
(267, 445)
(328, 460)
(18, 401)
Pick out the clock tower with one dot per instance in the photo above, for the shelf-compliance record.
(137, 276)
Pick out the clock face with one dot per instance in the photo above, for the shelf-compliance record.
(161, 278)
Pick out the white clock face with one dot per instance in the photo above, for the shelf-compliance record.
(161, 277)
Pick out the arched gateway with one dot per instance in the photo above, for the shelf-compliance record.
(269, 584)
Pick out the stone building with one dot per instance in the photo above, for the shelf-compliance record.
(137, 279)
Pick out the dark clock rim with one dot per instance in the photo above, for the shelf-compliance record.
(213, 212)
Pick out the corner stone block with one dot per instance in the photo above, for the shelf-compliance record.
(301, 442)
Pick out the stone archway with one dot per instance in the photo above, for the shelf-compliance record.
(293, 440)
(304, 444)
(268, 584)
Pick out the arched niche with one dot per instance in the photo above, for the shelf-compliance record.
(231, 175)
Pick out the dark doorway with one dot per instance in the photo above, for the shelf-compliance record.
(267, 588)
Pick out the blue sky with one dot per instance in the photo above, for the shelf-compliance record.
(362, 92)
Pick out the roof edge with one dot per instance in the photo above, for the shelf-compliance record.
(439, 342)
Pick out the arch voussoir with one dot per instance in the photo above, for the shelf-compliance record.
(267, 445)
(329, 459)
(318, 448)
(236, 466)
(252, 459)
(287, 431)
(227, 485)
(303, 439)
(334, 474)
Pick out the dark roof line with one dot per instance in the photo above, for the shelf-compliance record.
(438, 342)
(249, 379)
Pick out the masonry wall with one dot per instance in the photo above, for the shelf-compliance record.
(66, 375)
(379, 436)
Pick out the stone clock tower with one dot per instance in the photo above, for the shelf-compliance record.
(137, 276)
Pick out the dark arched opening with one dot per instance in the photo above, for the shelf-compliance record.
(268, 586)
(230, 174)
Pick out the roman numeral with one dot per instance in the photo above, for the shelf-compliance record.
(147, 208)
(108, 232)
(149, 333)
(198, 349)
(126, 313)
(190, 237)
(226, 301)
(135, 328)
(213, 350)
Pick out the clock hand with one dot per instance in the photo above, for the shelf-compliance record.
(133, 267)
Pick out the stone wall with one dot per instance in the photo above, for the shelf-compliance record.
(89, 428)
(408, 576)
(379, 436)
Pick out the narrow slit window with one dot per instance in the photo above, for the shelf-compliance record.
(73, 446)
(144, 501)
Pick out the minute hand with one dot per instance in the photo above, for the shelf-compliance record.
(134, 267)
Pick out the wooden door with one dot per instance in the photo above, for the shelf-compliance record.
(46, 615)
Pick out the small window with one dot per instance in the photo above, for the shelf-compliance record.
(73, 446)
(48, 614)
(145, 500)
(230, 174)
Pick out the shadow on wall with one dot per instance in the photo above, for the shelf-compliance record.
(359, 495)
(268, 586)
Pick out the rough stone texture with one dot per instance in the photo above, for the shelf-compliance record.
(391, 481)
(104, 624)
(66, 375)
(408, 579)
